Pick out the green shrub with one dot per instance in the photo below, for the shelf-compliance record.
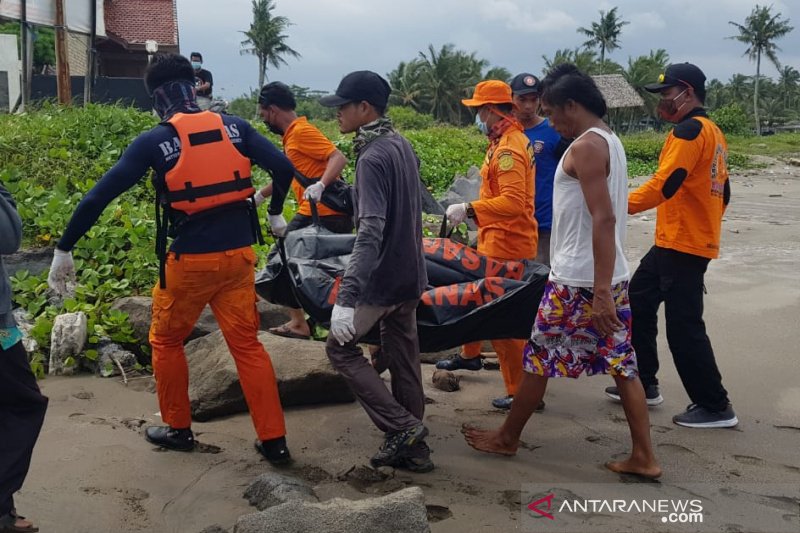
(406, 118)
(731, 119)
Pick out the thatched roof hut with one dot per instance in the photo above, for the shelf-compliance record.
(617, 92)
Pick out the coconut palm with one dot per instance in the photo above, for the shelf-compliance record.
(406, 86)
(643, 70)
(583, 58)
(789, 82)
(498, 73)
(446, 76)
(760, 30)
(604, 34)
(266, 38)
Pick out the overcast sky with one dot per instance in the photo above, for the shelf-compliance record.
(338, 36)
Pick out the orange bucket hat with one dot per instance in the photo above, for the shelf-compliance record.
(489, 92)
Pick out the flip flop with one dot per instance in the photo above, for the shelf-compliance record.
(13, 528)
(284, 331)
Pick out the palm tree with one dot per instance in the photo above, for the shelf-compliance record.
(447, 76)
(498, 73)
(406, 86)
(583, 58)
(266, 38)
(604, 34)
(759, 31)
(643, 70)
(788, 82)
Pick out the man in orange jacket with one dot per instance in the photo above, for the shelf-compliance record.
(691, 191)
(202, 177)
(504, 214)
(313, 156)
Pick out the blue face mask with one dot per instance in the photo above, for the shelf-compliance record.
(196, 65)
(481, 125)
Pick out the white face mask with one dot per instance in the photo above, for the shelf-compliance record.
(481, 125)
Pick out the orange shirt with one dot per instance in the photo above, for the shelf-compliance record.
(308, 150)
(690, 188)
(504, 213)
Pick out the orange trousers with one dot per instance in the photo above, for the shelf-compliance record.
(225, 280)
(509, 353)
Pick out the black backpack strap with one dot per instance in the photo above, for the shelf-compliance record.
(254, 222)
(305, 181)
(162, 227)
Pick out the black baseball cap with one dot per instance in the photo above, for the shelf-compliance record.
(684, 74)
(358, 86)
(525, 84)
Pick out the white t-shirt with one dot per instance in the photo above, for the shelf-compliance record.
(571, 255)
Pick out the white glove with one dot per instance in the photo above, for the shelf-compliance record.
(456, 213)
(258, 198)
(314, 191)
(62, 271)
(278, 225)
(342, 328)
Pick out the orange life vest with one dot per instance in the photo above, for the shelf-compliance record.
(210, 171)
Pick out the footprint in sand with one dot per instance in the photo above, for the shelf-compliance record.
(677, 448)
(661, 429)
(601, 440)
(749, 460)
(437, 513)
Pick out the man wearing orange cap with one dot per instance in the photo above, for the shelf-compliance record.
(504, 214)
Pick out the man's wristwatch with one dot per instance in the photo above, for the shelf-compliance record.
(470, 211)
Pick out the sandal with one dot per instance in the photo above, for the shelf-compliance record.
(284, 331)
(14, 528)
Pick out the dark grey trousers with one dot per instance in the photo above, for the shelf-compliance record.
(403, 407)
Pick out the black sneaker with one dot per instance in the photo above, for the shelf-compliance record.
(181, 440)
(700, 417)
(459, 363)
(651, 395)
(396, 444)
(417, 458)
(506, 402)
(274, 450)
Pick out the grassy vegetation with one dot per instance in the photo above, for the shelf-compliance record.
(778, 145)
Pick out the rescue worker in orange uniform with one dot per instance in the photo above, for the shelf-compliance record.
(504, 214)
(203, 182)
(691, 191)
(314, 157)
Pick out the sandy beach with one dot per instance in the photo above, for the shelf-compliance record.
(93, 472)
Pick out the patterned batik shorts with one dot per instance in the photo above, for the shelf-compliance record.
(564, 343)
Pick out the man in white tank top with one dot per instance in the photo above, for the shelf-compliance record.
(583, 321)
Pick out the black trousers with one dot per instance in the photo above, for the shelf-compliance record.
(676, 279)
(22, 408)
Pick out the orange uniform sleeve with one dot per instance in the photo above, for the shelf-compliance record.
(511, 185)
(310, 144)
(680, 155)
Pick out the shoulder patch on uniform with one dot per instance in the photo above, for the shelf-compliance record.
(688, 130)
(505, 161)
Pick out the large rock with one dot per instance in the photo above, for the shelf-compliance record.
(271, 489)
(67, 339)
(429, 203)
(25, 324)
(400, 512)
(305, 376)
(34, 260)
(464, 188)
(111, 357)
(140, 308)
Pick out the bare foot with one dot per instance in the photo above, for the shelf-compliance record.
(487, 441)
(649, 470)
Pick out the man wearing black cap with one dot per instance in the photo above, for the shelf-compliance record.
(691, 190)
(385, 275)
(547, 147)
